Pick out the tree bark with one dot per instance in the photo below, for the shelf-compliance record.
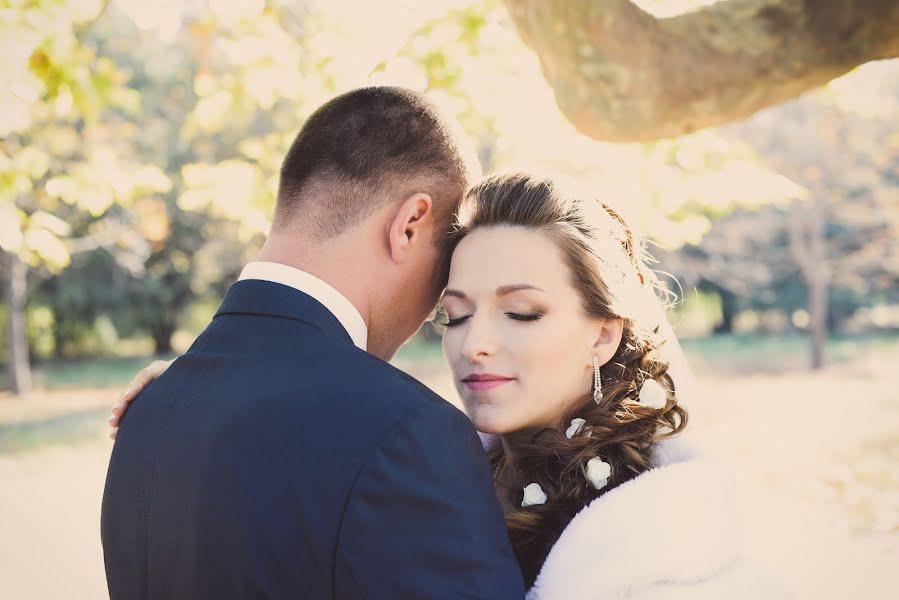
(810, 250)
(162, 338)
(728, 312)
(18, 364)
(818, 277)
(621, 75)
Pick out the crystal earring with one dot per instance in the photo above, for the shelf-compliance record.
(597, 382)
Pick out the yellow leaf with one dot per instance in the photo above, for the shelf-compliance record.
(49, 247)
(63, 187)
(151, 178)
(31, 161)
(62, 141)
(51, 223)
(228, 187)
(10, 227)
(153, 219)
(212, 111)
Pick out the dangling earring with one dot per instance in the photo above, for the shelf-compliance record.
(597, 382)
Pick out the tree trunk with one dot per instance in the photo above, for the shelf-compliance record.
(621, 75)
(818, 309)
(59, 335)
(728, 312)
(810, 250)
(818, 285)
(162, 338)
(18, 364)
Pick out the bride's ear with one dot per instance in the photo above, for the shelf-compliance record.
(409, 225)
(608, 338)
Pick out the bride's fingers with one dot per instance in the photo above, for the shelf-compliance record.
(143, 378)
(117, 413)
(119, 409)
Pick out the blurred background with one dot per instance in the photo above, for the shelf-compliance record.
(139, 150)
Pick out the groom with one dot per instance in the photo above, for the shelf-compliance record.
(281, 457)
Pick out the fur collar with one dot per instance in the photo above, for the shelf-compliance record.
(677, 523)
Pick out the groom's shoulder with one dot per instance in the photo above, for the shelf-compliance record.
(377, 404)
(377, 390)
(386, 382)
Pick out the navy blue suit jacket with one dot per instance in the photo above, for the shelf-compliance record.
(275, 459)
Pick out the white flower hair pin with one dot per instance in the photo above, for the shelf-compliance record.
(598, 472)
(577, 426)
(533, 495)
(653, 395)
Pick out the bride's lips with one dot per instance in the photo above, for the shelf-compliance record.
(485, 381)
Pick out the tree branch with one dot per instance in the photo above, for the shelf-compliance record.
(619, 74)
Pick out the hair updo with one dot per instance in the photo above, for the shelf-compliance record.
(607, 264)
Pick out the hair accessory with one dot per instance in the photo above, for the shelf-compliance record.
(597, 382)
(653, 395)
(577, 425)
(533, 495)
(598, 472)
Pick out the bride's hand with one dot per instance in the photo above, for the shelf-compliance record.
(143, 378)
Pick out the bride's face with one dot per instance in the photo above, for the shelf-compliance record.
(517, 341)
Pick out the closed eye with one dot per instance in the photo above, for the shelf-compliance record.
(456, 321)
(524, 317)
(511, 315)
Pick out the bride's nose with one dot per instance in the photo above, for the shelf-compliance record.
(480, 339)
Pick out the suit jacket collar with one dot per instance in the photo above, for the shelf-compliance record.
(334, 301)
(268, 299)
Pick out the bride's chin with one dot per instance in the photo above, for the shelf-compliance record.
(489, 430)
(488, 424)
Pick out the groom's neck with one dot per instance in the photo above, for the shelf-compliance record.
(337, 262)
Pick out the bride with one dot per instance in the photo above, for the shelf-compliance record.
(552, 334)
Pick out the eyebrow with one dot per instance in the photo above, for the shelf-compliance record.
(500, 291)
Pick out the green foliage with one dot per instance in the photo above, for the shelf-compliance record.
(59, 146)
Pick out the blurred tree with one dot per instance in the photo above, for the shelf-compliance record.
(93, 284)
(621, 74)
(18, 363)
(211, 95)
(58, 151)
(224, 91)
(835, 247)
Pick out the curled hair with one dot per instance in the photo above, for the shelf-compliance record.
(608, 266)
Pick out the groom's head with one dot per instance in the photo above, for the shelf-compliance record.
(380, 171)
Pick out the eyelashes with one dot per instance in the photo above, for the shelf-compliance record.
(514, 316)
(524, 317)
(456, 321)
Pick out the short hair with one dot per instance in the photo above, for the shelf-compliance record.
(363, 149)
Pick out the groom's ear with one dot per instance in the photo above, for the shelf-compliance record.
(410, 225)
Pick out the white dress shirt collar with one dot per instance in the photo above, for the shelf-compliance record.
(333, 300)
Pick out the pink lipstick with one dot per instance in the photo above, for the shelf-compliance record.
(485, 381)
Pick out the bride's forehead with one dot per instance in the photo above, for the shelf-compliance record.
(506, 245)
(505, 276)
